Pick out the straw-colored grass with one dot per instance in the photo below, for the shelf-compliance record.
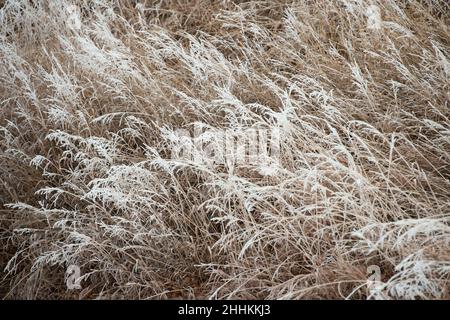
(87, 112)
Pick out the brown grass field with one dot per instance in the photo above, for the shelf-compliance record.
(357, 205)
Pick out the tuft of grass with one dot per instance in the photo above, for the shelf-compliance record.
(91, 93)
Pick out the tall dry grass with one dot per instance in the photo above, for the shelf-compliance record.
(87, 111)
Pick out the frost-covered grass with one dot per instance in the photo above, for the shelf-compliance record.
(86, 174)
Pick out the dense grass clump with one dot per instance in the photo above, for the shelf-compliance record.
(92, 94)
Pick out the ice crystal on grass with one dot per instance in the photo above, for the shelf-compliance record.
(225, 149)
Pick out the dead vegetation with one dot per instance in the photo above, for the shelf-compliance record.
(87, 107)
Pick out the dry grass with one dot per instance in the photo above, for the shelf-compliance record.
(87, 178)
